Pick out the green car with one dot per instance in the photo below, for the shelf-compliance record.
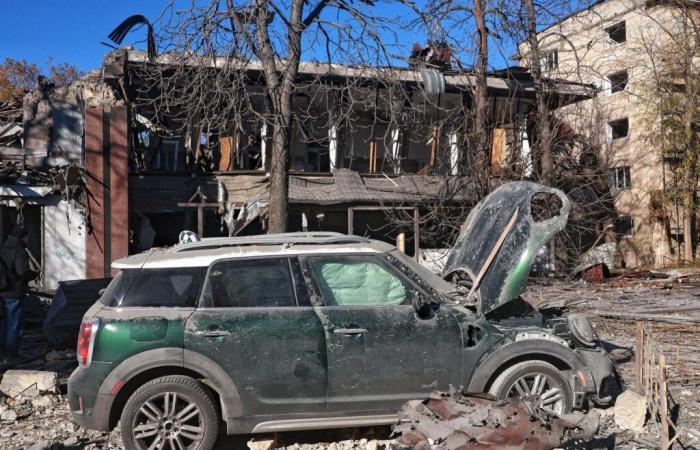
(304, 331)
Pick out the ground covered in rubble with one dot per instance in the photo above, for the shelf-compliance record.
(671, 303)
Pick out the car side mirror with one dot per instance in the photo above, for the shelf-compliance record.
(424, 306)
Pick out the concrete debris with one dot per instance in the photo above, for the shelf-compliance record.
(631, 411)
(460, 422)
(28, 383)
(258, 443)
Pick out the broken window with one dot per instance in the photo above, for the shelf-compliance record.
(358, 281)
(618, 129)
(624, 226)
(549, 59)
(620, 178)
(250, 283)
(616, 34)
(617, 82)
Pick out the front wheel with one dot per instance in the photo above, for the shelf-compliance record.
(171, 412)
(537, 382)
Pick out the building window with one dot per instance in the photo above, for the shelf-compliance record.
(616, 34)
(549, 60)
(624, 226)
(618, 129)
(617, 82)
(620, 178)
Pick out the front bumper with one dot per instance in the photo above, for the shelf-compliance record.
(604, 373)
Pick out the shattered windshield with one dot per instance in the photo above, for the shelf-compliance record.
(499, 240)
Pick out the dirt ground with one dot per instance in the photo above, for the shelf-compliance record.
(44, 421)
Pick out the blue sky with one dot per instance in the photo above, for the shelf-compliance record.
(71, 30)
(66, 30)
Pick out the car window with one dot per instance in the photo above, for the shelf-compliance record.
(171, 287)
(250, 283)
(358, 281)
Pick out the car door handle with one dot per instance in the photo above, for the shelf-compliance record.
(350, 331)
(213, 333)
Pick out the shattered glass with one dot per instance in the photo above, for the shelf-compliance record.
(537, 213)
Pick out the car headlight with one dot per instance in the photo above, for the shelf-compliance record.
(582, 330)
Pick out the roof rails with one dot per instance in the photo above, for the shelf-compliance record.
(317, 238)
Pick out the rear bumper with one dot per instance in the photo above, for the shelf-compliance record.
(95, 418)
(88, 409)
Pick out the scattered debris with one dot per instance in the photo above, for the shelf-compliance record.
(451, 422)
(630, 411)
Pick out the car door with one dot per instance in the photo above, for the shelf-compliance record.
(380, 353)
(254, 319)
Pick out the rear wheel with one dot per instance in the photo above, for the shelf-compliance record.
(537, 382)
(172, 412)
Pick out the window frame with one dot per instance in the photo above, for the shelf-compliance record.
(626, 177)
(611, 127)
(628, 234)
(379, 258)
(300, 290)
(610, 85)
(548, 63)
(612, 28)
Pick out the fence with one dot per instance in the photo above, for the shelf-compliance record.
(653, 382)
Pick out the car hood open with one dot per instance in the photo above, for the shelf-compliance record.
(505, 278)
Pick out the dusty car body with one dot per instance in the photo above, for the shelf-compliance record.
(323, 330)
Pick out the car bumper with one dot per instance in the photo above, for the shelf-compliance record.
(87, 408)
(604, 373)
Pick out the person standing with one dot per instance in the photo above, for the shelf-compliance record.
(15, 262)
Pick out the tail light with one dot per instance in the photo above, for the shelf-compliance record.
(86, 341)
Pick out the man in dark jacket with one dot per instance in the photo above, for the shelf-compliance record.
(16, 262)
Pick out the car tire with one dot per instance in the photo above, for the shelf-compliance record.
(174, 409)
(554, 385)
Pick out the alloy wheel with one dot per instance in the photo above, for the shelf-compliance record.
(168, 420)
(539, 390)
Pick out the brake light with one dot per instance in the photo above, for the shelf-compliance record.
(86, 341)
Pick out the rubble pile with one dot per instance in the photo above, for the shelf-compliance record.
(462, 422)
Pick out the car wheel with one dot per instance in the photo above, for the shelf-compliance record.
(172, 412)
(537, 382)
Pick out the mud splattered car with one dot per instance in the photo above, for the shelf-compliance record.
(322, 330)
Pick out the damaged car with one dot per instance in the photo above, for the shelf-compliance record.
(304, 331)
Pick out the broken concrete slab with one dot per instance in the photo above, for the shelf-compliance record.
(631, 411)
(28, 383)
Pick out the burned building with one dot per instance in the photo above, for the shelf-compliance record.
(108, 169)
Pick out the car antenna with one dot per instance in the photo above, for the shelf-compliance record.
(494, 252)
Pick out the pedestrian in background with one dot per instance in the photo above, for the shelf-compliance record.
(17, 275)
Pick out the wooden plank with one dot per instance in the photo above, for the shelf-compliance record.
(225, 149)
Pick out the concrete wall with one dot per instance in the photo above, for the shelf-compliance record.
(587, 55)
(64, 243)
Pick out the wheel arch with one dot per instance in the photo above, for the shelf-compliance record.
(507, 356)
(137, 370)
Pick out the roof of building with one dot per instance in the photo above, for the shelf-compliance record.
(208, 250)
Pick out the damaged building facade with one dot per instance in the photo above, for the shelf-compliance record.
(104, 172)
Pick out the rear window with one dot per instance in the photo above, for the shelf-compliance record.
(169, 287)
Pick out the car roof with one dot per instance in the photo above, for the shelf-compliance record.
(202, 253)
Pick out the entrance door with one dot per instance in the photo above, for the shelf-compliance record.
(255, 321)
(380, 353)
